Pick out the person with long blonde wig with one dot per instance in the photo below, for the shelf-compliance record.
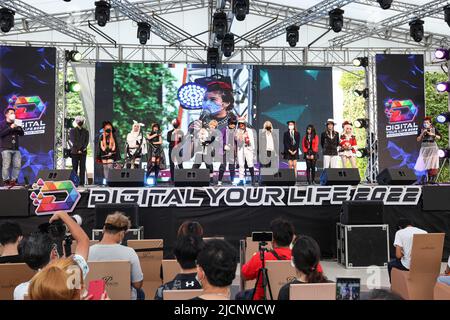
(348, 145)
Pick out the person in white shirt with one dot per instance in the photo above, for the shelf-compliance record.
(268, 148)
(446, 278)
(246, 148)
(403, 245)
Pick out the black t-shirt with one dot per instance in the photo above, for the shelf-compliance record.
(284, 291)
(11, 259)
(182, 281)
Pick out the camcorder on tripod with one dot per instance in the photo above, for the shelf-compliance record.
(263, 278)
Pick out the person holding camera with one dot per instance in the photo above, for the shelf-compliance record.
(310, 145)
(155, 151)
(10, 130)
(428, 160)
(79, 139)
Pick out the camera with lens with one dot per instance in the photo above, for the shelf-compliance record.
(60, 234)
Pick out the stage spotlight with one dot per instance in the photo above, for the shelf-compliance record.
(444, 153)
(416, 30)
(72, 86)
(361, 123)
(385, 4)
(143, 32)
(220, 24)
(443, 87)
(73, 56)
(240, 8)
(361, 62)
(102, 12)
(443, 117)
(447, 14)
(213, 57)
(150, 181)
(442, 54)
(69, 123)
(362, 153)
(362, 93)
(190, 95)
(67, 152)
(292, 35)
(6, 19)
(228, 45)
(336, 19)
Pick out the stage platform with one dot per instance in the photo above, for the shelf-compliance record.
(234, 212)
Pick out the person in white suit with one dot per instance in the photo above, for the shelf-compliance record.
(246, 147)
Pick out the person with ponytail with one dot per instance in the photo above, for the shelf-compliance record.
(305, 259)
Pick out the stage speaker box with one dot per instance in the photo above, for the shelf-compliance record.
(342, 176)
(126, 178)
(191, 177)
(362, 212)
(58, 175)
(400, 176)
(131, 210)
(284, 177)
(362, 246)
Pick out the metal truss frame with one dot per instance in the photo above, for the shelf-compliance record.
(60, 109)
(372, 114)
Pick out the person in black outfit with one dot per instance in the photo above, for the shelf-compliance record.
(79, 139)
(108, 151)
(9, 147)
(305, 257)
(186, 251)
(229, 151)
(291, 141)
(329, 140)
(174, 137)
(10, 237)
(310, 145)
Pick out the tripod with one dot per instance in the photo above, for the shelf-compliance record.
(262, 273)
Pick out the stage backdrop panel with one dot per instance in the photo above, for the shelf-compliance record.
(27, 81)
(401, 108)
(302, 94)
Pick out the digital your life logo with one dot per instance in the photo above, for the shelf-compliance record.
(45, 199)
(28, 108)
(400, 111)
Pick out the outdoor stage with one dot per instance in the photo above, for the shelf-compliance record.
(234, 212)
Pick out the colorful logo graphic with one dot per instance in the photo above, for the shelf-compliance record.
(46, 202)
(28, 108)
(400, 111)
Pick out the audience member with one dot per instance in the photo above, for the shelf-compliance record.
(186, 252)
(446, 278)
(403, 245)
(216, 270)
(10, 236)
(190, 228)
(305, 259)
(110, 248)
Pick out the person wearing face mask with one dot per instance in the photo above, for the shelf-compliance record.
(174, 137)
(207, 150)
(9, 147)
(310, 145)
(291, 141)
(229, 151)
(110, 248)
(246, 147)
(79, 139)
(136, 146)
(329, 141)
(348, 145)
(268, 146)
(155, 151)
(107, 152)
(428, 160)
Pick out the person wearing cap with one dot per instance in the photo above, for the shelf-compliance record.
(79, 140)
(348, 145)
(291, 141)
(136, 146)
(9, 147)
(245, 150)
(229, 151)
(329, 141)
(174, 137)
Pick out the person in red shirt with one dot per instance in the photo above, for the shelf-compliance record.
(348, 145)
(310, 146)
(283, 235)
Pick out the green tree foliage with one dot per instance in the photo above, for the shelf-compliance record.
(145, 93)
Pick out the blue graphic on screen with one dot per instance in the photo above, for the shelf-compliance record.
(265, 79)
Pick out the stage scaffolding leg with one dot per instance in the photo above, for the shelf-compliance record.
(60, 110)
(371, 112)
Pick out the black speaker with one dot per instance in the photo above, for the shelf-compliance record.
(400, 176)
(126, 178)
(131, 210)
(58, 175)
(362, 212)
(340, 177)
(283, 177)
(191, 178)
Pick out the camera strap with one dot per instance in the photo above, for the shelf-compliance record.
(277, 256)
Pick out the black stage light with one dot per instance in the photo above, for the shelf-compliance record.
(73, 55)
(362, 93)
(102, 12)
(362, 153)
(220, 24)
(361, 62)
(6, 19)
(443, 118)
(143, 32)
(447, 14)
(213, 57)
(385, 4)
(444, 153)
(228, 45)
(69, 123)
(416, 30)
(336, 19)
(240, 8)
(361, 123)
(292, 35)
(72, 86)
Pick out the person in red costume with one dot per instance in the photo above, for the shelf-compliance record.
(348, 145)
(310, 146)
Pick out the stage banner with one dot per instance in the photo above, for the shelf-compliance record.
(27, 82)
(401, 108)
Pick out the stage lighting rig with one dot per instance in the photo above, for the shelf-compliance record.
(443, 118)
(69, 123)
(442, 54)
(228, 45)
(362, 93)
(72, 86)
(362, 153)
(213, 57)
(336, 20)
(6, 19)
(447, 14)
(292, 35)
(220, 24)
(361, 62)
(240, 9)
(361, 123)
(102, 12)
(385, 4)
(73, 56)
(190, 95)
(444, 153)
(143, 32)
(443, 87)
(416, 30)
